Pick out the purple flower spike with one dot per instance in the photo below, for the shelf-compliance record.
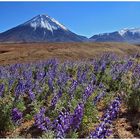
(103, 129)
(16, 116)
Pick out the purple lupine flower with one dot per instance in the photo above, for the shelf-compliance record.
(88, 91)
(16, 116)
(101, 85)
(73, 88)
(103, 66)
(103, 129)
(59, 94)
(19, 88)
(56, 98)
(96, 66)
(2, 88)
(28, 85)
(136, 76)
(83, 76)
(98, 97)
(31, 95)
(54, 101)
(62, 124)
(100, 132)
(50, 84)
(10, 83)
(40, 75)
(77, 116)
(41, 121)
(119, 69)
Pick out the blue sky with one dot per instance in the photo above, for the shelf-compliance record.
(84, 18)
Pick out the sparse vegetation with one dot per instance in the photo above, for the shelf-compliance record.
(19, 53)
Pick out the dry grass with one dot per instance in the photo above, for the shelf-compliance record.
(15, 53)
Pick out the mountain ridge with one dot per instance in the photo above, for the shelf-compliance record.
(131, 35)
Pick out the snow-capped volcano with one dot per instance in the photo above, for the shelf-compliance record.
(46, 22)
(41, 28)
(131, 35)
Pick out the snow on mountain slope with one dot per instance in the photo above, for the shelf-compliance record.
(122, 32)
(45, 21)
(131, 30)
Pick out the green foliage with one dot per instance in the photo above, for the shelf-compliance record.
(73, 135)
(71, 72)
(73, 104)
(6, 105)
(133, 100)
(62, 103)
(48, 135)
(20, 105)
(28, 117)
(132, 93)
(90, 115)
(35, 106)
(79, 92)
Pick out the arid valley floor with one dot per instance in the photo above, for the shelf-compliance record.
(15, 53)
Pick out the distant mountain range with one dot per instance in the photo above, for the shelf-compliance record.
(43, 28)
(124, 35)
